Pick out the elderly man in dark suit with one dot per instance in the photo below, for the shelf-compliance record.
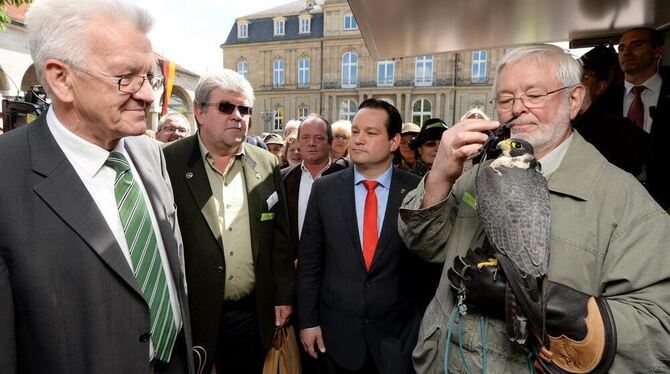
(358, 285)
(232, 210)
(91, 279)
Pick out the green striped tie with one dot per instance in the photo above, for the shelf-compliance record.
(144, 254)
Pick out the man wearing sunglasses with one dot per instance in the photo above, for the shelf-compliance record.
(91, 277)
(607, 306)
(232, 210)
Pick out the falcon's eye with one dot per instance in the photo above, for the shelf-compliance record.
(516, 145)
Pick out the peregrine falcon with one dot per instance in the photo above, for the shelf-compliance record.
(513, 206)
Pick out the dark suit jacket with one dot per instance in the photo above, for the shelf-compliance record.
(356, 309)
(69, 302)
(291, 178)
(658, 175)
(205, 263)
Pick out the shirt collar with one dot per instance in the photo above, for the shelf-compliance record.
(304, 168)
(384, 179)
(552, 160)
(88, 156)
(653, 84)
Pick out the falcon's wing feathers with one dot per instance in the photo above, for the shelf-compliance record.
(514, 210)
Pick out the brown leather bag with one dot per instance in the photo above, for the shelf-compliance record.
(283, 357)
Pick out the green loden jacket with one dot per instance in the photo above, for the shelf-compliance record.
(609, 238)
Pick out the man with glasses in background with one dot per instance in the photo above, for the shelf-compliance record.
(607, 301)
(232, 210)
(91, 277)
(173, 126)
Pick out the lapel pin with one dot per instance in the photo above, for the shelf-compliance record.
(402, 190)
(258, 176)
(189, 175)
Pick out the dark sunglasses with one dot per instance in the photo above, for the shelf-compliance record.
(431, 143)
(228, 108)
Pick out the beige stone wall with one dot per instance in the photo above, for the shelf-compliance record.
(449, 99)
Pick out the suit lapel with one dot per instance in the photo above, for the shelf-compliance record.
(152, 180)
(64, 192)
(255, 202)
(198, 183)
(348, 208)
(292, 198)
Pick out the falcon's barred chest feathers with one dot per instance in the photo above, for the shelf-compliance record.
(513, 206)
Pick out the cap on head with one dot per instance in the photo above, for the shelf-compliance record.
(432, 129)
(599, 60)
(273, 138)
(410, 128)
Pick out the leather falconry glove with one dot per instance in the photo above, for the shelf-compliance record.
(483, 286)
(581, 334)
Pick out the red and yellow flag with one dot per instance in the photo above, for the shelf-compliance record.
(169, 69)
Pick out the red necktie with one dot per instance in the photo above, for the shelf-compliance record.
(636, 110)
(370, 223)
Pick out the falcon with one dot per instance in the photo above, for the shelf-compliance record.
(513, 206)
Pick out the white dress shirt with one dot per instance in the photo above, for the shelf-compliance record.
(88, 160)
(305, 190)
(649, 97)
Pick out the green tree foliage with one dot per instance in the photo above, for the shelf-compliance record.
(4, 18)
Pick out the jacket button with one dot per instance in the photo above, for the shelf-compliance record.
(145, 337)
(219, 269)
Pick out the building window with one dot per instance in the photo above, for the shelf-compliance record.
(279, 26)
(242, 30)
(349, 70)
(303, 112)
(303, 72)
(350, 22)
(348, 109)
(479, 66)
(243, 69)
(278, 119)
(278, 73)
(421, 111)
(304, 25)
(423, 75)
(385, 73)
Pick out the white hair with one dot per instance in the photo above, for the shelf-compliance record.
(174, 117)
(342, 124)
(568, 70)
(226, 80)
(60, 28)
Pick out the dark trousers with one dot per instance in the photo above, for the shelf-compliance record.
(239, 349)
(331, 367)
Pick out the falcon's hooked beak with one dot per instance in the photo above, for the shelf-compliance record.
(505, 146)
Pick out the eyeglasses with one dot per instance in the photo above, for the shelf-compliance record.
(228, 108)
(179, 130)
(341, 137)
(126, 83)
(431, 143)
(531, 99)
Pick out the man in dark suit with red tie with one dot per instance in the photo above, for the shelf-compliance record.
(644, 98)
(358, 285)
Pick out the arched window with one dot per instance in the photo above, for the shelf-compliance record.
(278, 73)
(423, 75)
(348, 109)
(303, 112)
(422, 110)
(349, 69)
(278, 118)
(303, 72)
(243, 69)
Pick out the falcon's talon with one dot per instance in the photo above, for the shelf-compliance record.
(492, 262)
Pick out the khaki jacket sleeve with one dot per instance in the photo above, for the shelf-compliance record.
(426, 231)
(636, 285)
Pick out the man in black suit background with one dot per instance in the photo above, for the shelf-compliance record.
(91, 277)
(232, 210)
(644, 98)
(357, 282)
(315, 137)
